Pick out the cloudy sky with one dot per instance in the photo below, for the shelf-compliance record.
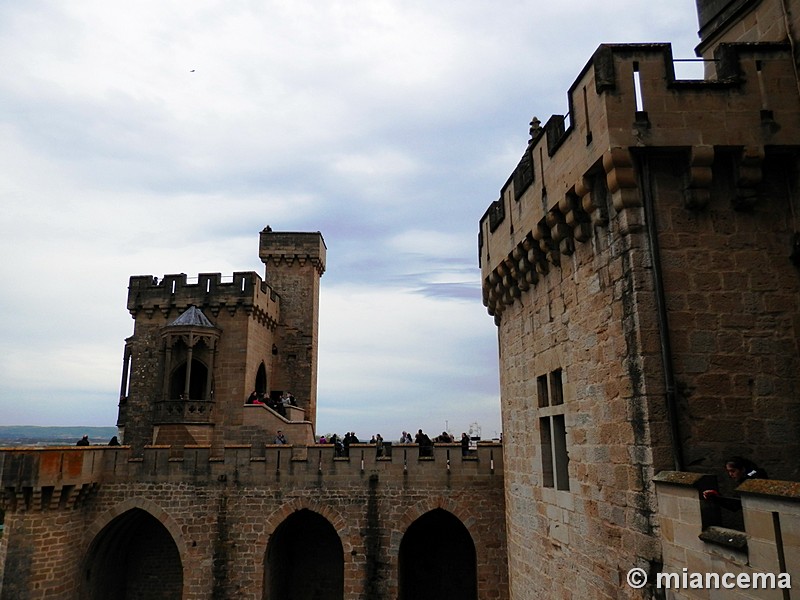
(159, 137)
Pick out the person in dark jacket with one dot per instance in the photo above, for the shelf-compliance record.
(464, 444)
(739, 470)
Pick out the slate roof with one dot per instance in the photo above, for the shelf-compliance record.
(192, 317)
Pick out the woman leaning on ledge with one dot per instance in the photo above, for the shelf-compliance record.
(740, 470)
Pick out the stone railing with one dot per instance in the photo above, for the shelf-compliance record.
(183, 411)
(691, 545)
(294, 426)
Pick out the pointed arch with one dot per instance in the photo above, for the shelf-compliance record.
(458, 509)
(198, 380)
(304, 559)
(437, 559)
(133, 551)
(261, 379)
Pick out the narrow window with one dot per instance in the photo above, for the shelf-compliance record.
(637, 87)
(541, 388)
(586, 116)
(556, 391)
(560, 455)
(546, 445)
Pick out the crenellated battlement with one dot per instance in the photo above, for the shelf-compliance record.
(61, 477)
(173, 294)
(580, 167)
(287, 248)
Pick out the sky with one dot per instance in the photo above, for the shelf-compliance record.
(159, 137)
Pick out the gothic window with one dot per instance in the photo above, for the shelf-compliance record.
(261, 379)
(198, 378)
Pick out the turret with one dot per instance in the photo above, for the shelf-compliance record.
(294, 264)
(201, 349)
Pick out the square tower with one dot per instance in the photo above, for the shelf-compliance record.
(294, 263)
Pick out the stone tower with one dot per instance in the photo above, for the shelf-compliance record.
(641, 265)
(199, 349)
(294, 264)
(200, 502)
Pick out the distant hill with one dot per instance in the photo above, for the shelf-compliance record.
(28, 435)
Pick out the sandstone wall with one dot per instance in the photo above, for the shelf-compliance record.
(638, 260)
(221, 511)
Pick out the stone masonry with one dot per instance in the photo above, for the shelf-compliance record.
(641, 265)
(199, 503)
(212, 519)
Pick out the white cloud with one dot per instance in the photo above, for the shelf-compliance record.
(400, 354)
(389, 126)
(420, 241)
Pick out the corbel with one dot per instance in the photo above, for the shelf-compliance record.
(531, 258)
(541, 234)
(536, 255)
(698, 190)
(621, 178)
(510, 286)
(749, 176)
(560, 232)
(523, 267)
(574, 216)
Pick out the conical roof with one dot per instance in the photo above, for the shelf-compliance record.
(192, 317)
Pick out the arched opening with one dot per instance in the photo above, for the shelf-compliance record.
(437, 560)
(261, 379)
(133, 558)
(198, 379)
(305, 560)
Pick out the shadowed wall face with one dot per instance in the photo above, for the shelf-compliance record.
(305, 560)
(135, 558)
(437, 560)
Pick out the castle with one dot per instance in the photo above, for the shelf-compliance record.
(641, 265)
(186, 373)
(200, 503)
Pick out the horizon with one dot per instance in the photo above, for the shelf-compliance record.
(152, 141)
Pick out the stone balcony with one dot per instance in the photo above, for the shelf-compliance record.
(693, 544)
(169, 412)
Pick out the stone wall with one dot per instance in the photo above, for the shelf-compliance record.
(222, 511)
(746, 21)
(637, 265)
(584, 320)
(733, 308)
(770, 543)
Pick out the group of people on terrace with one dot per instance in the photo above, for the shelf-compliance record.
(84, 441)
(425, 443)
(277, 404)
